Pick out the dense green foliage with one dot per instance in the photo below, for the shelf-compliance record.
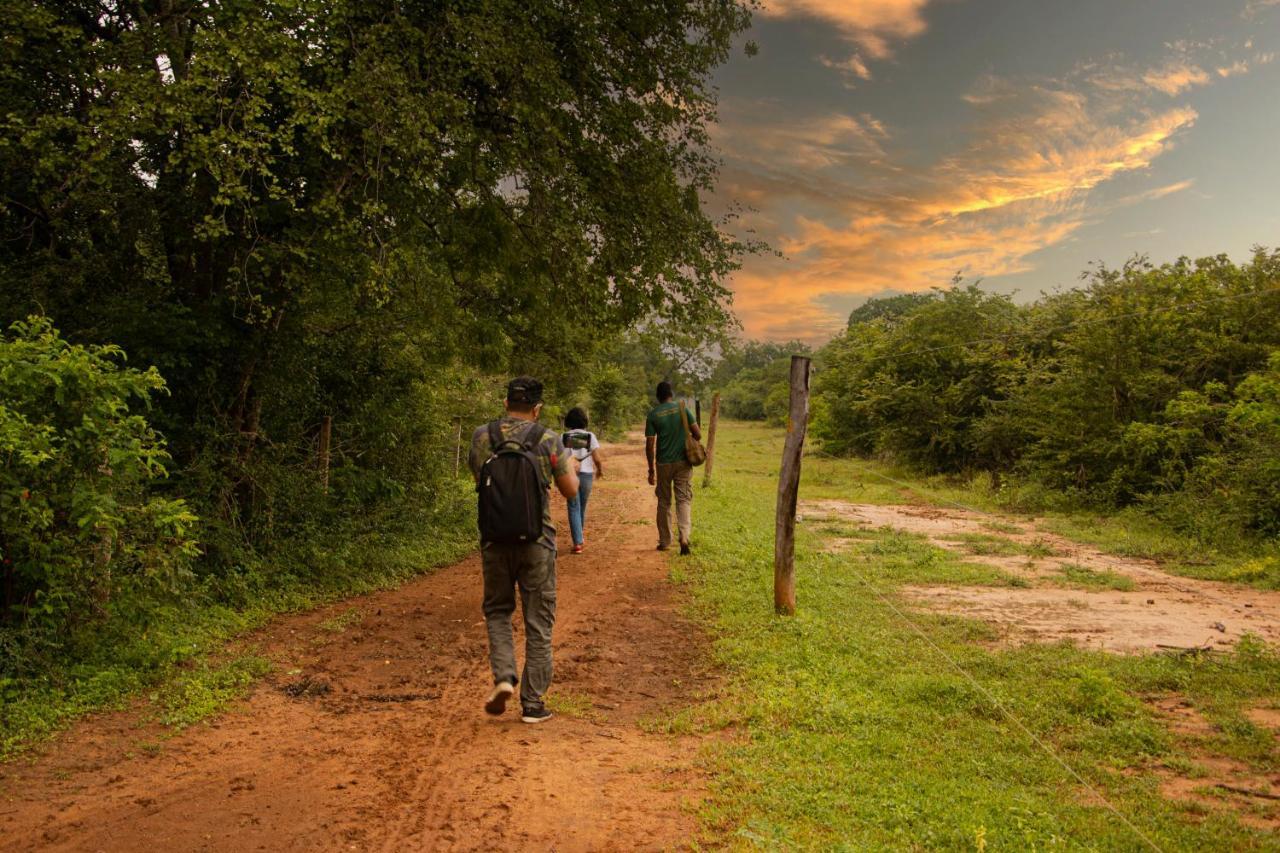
(1151, 385)
(365, 211)
(754, 377)
(78, 524)
(853, 731)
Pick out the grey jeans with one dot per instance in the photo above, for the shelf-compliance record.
(532, 569)
(674, 477)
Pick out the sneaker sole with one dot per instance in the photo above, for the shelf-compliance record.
(497, 702)
(536, 720)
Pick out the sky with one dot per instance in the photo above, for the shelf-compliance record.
(885, 146)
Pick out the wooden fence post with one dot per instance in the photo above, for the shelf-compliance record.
(711, 439)
(784, 542)
(326, 432)
(457, 450)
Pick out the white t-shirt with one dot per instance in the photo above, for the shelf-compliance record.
(580, 443)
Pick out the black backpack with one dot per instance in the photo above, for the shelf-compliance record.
(512, 488)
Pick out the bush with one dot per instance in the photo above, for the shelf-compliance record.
(910, 384)
(1153, 386)
(1235, 484)
(78, 520)
(611, 407)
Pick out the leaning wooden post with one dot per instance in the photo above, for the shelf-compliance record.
(784, 542)
(711, 439)
(326, 431)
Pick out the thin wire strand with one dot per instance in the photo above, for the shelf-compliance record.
(1008, 715)
(1178, 306)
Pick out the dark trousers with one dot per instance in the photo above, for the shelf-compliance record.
(532, 570)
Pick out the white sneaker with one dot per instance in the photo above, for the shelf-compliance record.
(497, 701)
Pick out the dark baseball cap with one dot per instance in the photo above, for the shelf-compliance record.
(524, 389)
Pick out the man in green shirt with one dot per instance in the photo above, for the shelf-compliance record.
(668, 469)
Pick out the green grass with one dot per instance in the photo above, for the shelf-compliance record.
(164, 651)
(573, 705)
(849, 731)
(341, 622)
(207, 689)
(911, 558)
(986, 545)
(1083, 576)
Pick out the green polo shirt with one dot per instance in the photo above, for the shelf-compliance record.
(664, 422)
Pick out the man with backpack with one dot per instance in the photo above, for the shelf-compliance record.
(666, 431)
(515, 461)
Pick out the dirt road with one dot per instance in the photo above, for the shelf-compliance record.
(386, 747)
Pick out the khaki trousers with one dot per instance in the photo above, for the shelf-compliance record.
(677, 477)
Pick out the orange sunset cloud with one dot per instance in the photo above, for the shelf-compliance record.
(854, 214)
(870, 24)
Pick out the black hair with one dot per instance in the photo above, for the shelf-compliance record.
(523, 393)
(576, 418)
(664, 391)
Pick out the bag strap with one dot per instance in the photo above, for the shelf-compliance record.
(530, 447)
(535, 434)
(684, 420)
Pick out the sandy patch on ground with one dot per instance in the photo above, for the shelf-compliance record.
(1107, 620)
(1161, 611)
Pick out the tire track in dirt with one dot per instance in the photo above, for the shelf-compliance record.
(397, 754)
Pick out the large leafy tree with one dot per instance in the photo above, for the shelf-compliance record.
(292, 207)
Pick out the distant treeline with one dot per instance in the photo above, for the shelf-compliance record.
(1152, 385)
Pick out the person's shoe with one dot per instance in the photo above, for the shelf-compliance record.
(536, 715)
(497, 701)
(684, 549)
(577, 549)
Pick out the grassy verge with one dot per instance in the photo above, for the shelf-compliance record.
(170, 654)
(853, 731)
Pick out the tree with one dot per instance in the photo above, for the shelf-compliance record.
(291, 207)
(916, 386)
(76, 521)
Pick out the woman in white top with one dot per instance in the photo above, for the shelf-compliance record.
(585, 447)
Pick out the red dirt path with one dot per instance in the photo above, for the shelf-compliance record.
(398, 755)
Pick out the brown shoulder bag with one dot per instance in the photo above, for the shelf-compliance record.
(694, 453)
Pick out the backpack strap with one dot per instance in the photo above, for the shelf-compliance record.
(535, 434)
(530, 446)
